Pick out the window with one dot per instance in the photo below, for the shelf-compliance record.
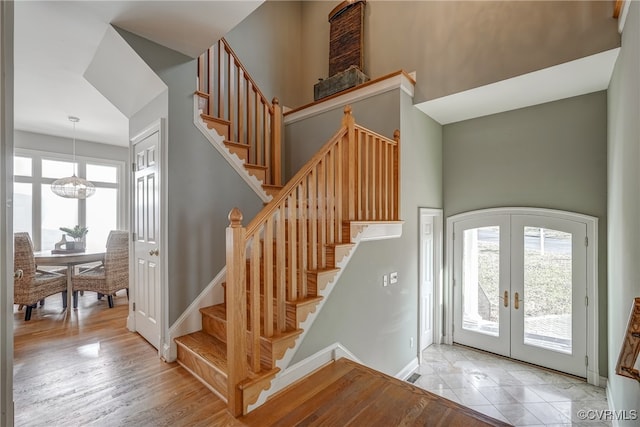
(41, 213)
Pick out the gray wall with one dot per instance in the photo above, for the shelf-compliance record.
(458, 45)
(549, 156)
(272, 31)
(372, 321)
(624, 205)
(202, 186)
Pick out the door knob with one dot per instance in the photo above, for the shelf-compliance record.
(506, 298)
(153, 252)
(18, 274)
(516, 301)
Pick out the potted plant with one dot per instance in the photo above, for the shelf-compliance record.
(78, 234)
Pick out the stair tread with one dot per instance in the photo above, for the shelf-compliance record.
(207, 347)
(334, 245)
(210, 117)
(323, 270)
(236, 144)
(254, 166)
(220, 311)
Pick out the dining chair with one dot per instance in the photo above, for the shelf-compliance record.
(30, 284)
(113, 274)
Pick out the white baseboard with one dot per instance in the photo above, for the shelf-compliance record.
(303, 368)
(191, 319)
(603, 382)
(408, 370)
(611, 406)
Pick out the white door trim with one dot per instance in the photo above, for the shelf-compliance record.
(6, 216)
(159, 126)
(593, 371)
(438, 276)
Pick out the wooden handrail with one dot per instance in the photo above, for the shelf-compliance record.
(354, 176)
(227, 92)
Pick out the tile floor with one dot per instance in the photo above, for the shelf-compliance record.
(517, 393)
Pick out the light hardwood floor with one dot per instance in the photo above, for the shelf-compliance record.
(86, 368)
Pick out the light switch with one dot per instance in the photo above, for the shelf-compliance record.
(394, 277)
(385, 280)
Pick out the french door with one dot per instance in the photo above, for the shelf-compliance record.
(520, 287)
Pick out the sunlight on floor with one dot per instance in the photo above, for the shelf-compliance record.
(514, 392)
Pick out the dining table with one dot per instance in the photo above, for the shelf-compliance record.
(69, 259)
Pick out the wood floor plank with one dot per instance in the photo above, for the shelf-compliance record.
(86, 368)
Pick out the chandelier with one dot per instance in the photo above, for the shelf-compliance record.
(73, 187)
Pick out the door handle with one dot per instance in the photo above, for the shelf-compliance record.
(153, 252)
(506, 298)
(516, 301)
(18, 274)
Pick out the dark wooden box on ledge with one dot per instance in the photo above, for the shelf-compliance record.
(339, 82)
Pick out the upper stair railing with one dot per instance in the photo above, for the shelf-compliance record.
(354, 177)
(229, 94)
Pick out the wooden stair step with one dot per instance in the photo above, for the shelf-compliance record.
(272, 190)
(239, 149)
(205, 357)
(219, 313)
(221, 126)
(337, 251)
(259, 171)
(273, 348)
(317, 280)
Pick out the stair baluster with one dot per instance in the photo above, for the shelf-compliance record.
(352, 178)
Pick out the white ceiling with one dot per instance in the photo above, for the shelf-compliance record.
(579, 77)
(56, 41)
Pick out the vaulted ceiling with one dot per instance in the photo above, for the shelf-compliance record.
(56, 41)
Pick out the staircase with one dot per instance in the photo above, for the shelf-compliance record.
(279, 264)
(232, 104)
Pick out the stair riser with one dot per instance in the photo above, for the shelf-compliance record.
(241, 152)
(316, 282)
(336, 254)
(205, 372)
(260, 174)
(218, 328)
(220, 127)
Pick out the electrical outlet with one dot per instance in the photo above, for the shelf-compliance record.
(393, 277)
(385, 280)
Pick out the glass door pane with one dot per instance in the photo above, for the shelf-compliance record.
(481, 280)
(548, 290)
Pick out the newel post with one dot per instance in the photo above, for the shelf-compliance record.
(276, 143)
(396, 174)
(236, 311)
(349, 165)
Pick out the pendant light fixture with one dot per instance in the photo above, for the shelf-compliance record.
(73, 187)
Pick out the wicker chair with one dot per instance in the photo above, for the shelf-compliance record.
(113, 274)
(32, 285)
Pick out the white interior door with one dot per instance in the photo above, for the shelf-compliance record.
(146, 228)
(520, 287)
(427, 282)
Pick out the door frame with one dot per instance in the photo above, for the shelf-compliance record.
(6, 216)
(438, 268)
(591, 223)
(160, 126)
